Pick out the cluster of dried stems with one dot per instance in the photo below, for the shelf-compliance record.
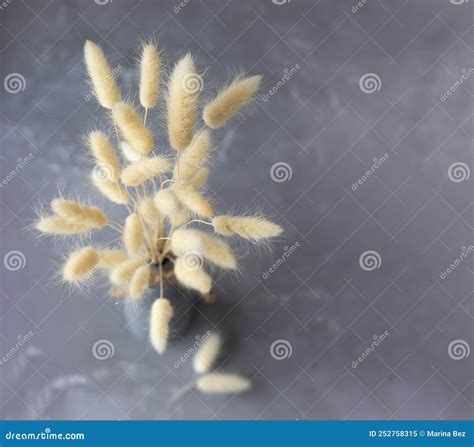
(162, 193)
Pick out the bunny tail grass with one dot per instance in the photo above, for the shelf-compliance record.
(207, 354)
(109, 259)
(128, 152)
(101, 75)
(168, 204)
(133, 235)
(123, 273)
(148, 211)
(160, 316)
(112, 190)
(192, 276)
(194, 201)
(79, 214)
(132, 128)
(143, 170)
(255, 228)
(230, 100)
(199, 179)
(80, 264)
(58, 226)
(220, 383)
(150, 69)
(183, 96)
(139, 282)
(104, 155)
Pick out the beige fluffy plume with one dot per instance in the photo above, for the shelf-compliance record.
(143, 170)
(133, 234)
(168, 204)
(104, 155)
(230, 100)
(160, 316)
(58, 226)
(123, 273)
(183, 95)
(129, 153)
(207, 354)
(101, 75)
(150, 69)
(220, 383)
(112, 190)
(192, 275)
(130, 124)
(139, 282)
(111, 258)
(255, 228)
(80, 264)
(194, 201)
(79, 213)
(148, 211)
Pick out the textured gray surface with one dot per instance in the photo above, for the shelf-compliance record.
(415, 211)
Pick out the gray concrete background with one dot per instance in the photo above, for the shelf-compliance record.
(327, 125)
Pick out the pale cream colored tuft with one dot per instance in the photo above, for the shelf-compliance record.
(191, 240)
(101, 75)
(104, 154)
(168, 204)
(221, 383)
(110, 258)
(160, 316)
(133, 235)
(79, 213)
(183, 95)
(150, 69)
(59, 226)
(139, 282)
(129, 153)
(194, 157)
(230, 100)
(124, 271)
(132, 128)
(80, 264)
(199, 179)
(254, 228)
(191, 275)
(112, 190)
(207, 354)
(143, 170)
(194, 201)
(148, 211)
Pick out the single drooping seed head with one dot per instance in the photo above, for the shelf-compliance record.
(80, 264)
(220, 383)
(139, 282)
(160, 316)
(255, 228)
(207, 354)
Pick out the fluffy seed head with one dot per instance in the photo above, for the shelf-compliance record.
(148, 211)
(255, 228)
(104, 155)
(183, 95)
(124, 271)
(160, 316)
(80, 264)
(194, 201)
(133, 235)
(199, 179)
(109, 259)
(143, 170)
(193, 276)
(139, 282)
(132, 128)
(79, 213)
(222, 383)
(207, 354)
(168, 204)
(56, 225)
(101, 75)
(150, 68)
(230, 100)
(112, 190)
(128, 152)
